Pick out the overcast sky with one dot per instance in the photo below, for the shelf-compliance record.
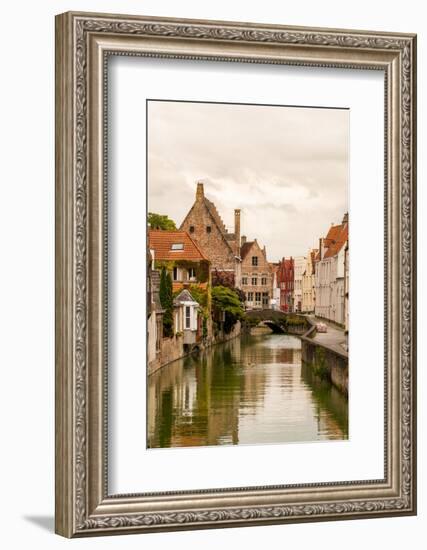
(286, 168)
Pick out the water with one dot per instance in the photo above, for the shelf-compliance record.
(252, 389)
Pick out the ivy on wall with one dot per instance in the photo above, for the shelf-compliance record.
(166, 299)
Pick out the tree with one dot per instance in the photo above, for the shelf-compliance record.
(160, 221)
(227, 300)
(166, 299)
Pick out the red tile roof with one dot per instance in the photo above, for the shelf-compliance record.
(161, 242)
(335, 239)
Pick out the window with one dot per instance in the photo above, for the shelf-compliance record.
(187, 317)
(254, 260)
(175, 273)
(191, 228)
(192, 274)
(177, 246)
(250, 296)
(264, 280)
(257, 297)
(208, 229)
(254, 281)
(244, 280)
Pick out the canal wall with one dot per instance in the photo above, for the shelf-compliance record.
(172, 349)
(223, 337)
(325, 362)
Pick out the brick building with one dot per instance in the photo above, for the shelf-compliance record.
(256, 275)
(205, 226)
(285, 281)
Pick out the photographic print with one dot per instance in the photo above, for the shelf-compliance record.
(247, 274)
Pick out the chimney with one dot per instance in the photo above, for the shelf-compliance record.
(200, 194)
(345, 218)
(243, 240)
(237, 230)
(321, 248)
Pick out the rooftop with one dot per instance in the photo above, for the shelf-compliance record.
(174, 245)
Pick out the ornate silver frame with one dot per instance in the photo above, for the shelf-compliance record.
(83, 505)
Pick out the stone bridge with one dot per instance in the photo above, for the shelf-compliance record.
(278, 321)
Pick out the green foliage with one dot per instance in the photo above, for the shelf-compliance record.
(166, 299)
(205, 327)
(160, 221)
(227, 300)
(295, 320)
(202, 268)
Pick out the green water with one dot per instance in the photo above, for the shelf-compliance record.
(250, 390)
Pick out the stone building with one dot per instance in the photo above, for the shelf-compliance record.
(256, 275)
(299, 266)
(346, 285)
(330, 275)
(308, 283)
(205, 226)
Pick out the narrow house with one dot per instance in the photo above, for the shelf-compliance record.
(285, 280)
(256, 275)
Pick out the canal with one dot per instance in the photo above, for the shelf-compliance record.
(253, 389)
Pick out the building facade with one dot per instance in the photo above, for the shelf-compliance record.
(329, 277)
(308, 283)
(256, 275)
(275, 290)
(285, 280)
(206, 228)
(181, 256)
(346, 285)
(154, 315)
(299, 266)
(189, 268)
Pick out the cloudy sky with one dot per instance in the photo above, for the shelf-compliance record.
(286, 168)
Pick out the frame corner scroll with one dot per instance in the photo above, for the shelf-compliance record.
(83, 506)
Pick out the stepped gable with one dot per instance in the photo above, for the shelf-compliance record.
(244, 249)
(215, 215)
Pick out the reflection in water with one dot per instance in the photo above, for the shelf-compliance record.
(252, 389)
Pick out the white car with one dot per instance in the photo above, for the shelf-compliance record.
(321, 327)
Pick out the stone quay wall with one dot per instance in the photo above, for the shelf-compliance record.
(325, 362)
(173, 348)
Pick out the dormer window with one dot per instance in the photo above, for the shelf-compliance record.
(177, 246)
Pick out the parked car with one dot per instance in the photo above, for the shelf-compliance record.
(321, 327)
